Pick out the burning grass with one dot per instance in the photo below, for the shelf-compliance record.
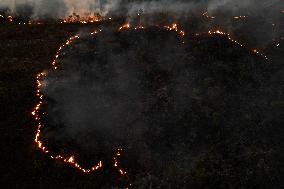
(220, 79)
(126, 29)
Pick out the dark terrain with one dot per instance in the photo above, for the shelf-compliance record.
(26, 51)
(233, 130)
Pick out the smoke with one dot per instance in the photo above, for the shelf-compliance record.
(106, 99)
(169, 105)
(54, 8)
(59, 8)
(181, 7)
(263, 22)
(243, 5)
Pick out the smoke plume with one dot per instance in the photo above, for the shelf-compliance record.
(184, 113)
(262, 24)
(174, 108)
(59, 8)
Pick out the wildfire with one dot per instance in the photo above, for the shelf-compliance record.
(36, 115)
(74, 18)
(139, 27)
(83, 19)
(175, 27)
(259, 53)
(116, 162)
(218, 32)
(125, 26)
(10, 18)
(70, 159)
(172, 27)
(240, 17)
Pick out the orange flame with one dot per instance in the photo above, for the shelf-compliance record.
(125, 26)
(36, 115)
(218, 32)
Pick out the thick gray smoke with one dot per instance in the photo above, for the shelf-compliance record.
(263, 22)
(55, 8)
(244, 5)
(191, 113)
(175, 108)
(181, 7)
(106, 97)
(60, 8)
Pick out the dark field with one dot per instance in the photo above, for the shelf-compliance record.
(26, 51)
(235, 124)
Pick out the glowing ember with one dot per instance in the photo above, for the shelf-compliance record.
(125, 26)
(71, 159)
(174, 27)
(240, 17)
(116, 162)
(36, 115)
(218, 32)
(74, 18)
(83, 19)
(10, 18)
(139, 27)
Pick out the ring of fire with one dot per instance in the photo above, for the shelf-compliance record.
(37, 114)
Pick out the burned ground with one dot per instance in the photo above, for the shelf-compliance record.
(215, 117)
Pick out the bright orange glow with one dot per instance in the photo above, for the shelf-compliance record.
(71, 159)
(125, 26)
(83, 19)
(240, 17)
(36, 115)
(175, 27)
(10, 18)
(218, 32)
